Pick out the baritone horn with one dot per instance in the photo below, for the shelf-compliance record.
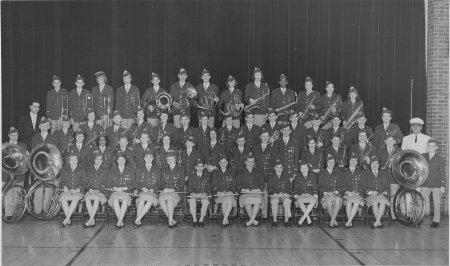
(164, 101)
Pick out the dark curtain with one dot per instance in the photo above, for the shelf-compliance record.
(377, 46)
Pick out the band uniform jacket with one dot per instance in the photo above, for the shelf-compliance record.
(162, 155)
(26, 130)
(353, 181)
(18, 178)
(304, 185)
(237, 158)
(202, 92)
(327, 102)
(182, 135)
(84, 154)
(339, 153)
(129, 155)
(279, 184)
(78, 105)
(272, 128)
(436, 177)
(379, 183)
(265, 159)
(136, 130)
(228, 136)
(150, 97)
(54, 103)
(354, 132)
(189, 161)
(124, 101)
(140, 151)
(226, 96)
(101, 101)
(50, 139)
(178, 94)
(201, 137)
(386, 158)
(329, 182)
(319, 135)
(107, 155)
(298, 133)
(278, 99)
(315, 159)
(211, 155)
(158, 131)
(250, 180)
(113, 133)
(254, 92)
(349, 108)
(199, 184)
(367, 151)
(223, 181)
(64, 139)
(95, 179)
(289, 154)
(148, 178)
(91, 131)
(303, 100)
(251, 135)
(342, 133)
(173, 179)
(126, 178)
(392, 130)
(72, 179)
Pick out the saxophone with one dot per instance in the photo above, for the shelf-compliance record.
(307, 110)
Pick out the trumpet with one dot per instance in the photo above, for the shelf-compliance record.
(276, 135)
(256, 103)
(307, 110)
(88, 103)
(278, 110)
(352, 118)
(64, 107)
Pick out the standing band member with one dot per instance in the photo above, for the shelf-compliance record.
(257, 92)
(231, 96)
(305, 192)
(416, 141)
(29, 124)
(353, 185)
(288, 151)
(57, 104)
(298, 130)
(184, 132)
(113, 132)
(44, 136)
(386, 128)
(228, 133)
(201, 133)
(351, 106)
(308, 101)
(282, 97)
(149, 100)
(178, 91)
(65, 137)
(198, 186)
(320, 134)
(103, 100)
(331, 105)
(330, 186)
(238, 154)
(279, 189)
(78, 103)
(127, 100)
(208, 92)
(250, 130)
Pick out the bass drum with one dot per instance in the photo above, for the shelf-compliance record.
(409, 206)
(43, 201)
(14, 201)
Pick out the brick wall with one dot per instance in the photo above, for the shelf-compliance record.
(438, 79)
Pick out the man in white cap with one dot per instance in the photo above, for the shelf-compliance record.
(416, 141)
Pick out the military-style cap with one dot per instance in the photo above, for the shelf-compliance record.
(44, 120)
(171, 153)
(257, 70)
(228, 115)
(79, 77)
(126, 74)
(248, 113)
(386, 111)
(231, 78)
(154, 75)
(278, 162)
(250, 156)
(65, 119)
(12, 130)
(330, 157)
(308, 79)
(191, 139)
(223, 157)
(374, 159)
(433, 140)
(55, 77)
(271, 111)
(283, 76)
(203, 114)
(292, 113)
(353, 155)
(100, 74)
(205, 72)
(140, 108)
(182, 71)
(80, 132)
(416, 121)
(116, 113)
(352, 90)
(199, 161)
(309, 138)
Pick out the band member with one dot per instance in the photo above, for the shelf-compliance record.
(341, 132)
(172, 183)
(78, 103)
(312, 155)
(279, 189)
(103, 100)
(184, 132)
(257, 92)
(330, 186)
(239, 153)
(435, 182)
(304, 189)
(386, 128)
(224, 186)
(96, 179)
(149, 99)
(201, 133)
(282, 97)
(331, 105)
(90, 128)
(29, 124)
(250, 184)
(71, 181)
(179, 95)
(339, 151)
(57, 104)
(364, 149)
(82, 150)
(377, 191)
(147, 182)
(212, 152)
(125, 149)
(103, 147)
(198, 186)
(162, 128)
(288, 150)
(250, 130)
(353, 185)
(351, 105)
(44, 136)
(65, 137)
(386, 156)
(122, 184)
(360, 125)
(208, 92)
(308, 101)
(137, 128)
(416, 141)
(115, 131)
(320, 134)
(228, 133)
(272, 126)
(265, 155)
(298, 130)
(164, 149)
(190, 156)
(143, 147)
(229, 96)
(127, 100)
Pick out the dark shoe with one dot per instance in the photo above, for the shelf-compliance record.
(434, 225)
(274, 224)
(201, 224)
(346, 227)
(300, 225)
(137, 225)
(64, 225)
(117, 227)
(287, 224)
(170, 226)
(195, 224)
(372, 226)
(223, 225)
(309, 224)
(381, 226)
(86, 226)
(175, 224)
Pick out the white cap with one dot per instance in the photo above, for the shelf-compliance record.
(416, 121)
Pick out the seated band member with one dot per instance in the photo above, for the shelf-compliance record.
(282, 97)
(65, 137)
(250, 185)
(312, 155)
(189, 156)
(360, 125)
(71, 178)
(127, 98)
(208, 92)
(125, 149)
(288, 150)
(364, 149)
(305, 192)
(137, 128)
(44, 136)
(257, 92)
(150, 96)
(228, 133)
(353, 189)
(279, 189)
(164, 149)
(386, 128)
(272, 126)
(239, 153)
(211, 153)
(337, 130)
(377, 191)
(147, 182)
(142, 147)
(163, 128)
(230, 96)
(330, 185)
(96, 179)
(122, 177)
(83, 151)
(172, 182)
(113, 132)
(184, 132)
(90, 128)
(201, 133)
(199, 188)
(103, 100)
(105, 150)
(320, 134)
(250, 130)
(224, 186)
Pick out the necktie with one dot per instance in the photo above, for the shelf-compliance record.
(79, 146)
(264, 147)
(415, 139)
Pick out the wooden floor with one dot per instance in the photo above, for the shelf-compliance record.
(32, 242)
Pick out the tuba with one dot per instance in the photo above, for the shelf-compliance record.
(164, 101)
(410, 169)
(14, 160)
(45, 162)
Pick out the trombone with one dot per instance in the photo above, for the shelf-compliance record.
(64, 107)
(107, 104)
(88, 102)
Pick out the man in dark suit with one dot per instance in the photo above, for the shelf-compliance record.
(29, 124)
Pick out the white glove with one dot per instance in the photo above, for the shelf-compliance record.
(295, 196)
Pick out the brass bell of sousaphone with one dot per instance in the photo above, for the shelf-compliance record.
(14, 159)
(410, 169)
(46, 162)
(164, 101)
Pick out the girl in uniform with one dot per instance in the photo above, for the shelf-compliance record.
(353, 189)
(330, 186)
(305, 192)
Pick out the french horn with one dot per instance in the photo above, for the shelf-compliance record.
(164, 101)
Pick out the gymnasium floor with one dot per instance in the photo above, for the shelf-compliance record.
(32, 242)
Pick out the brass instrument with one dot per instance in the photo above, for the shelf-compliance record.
(284, 112)
(308, 109)
(276, 135)
(189, 93)
(323, 119)
(136, 100)
(53, 205)
(164, 101)
(65, 152)
(107, 104)
(207, 101)
(256, 103)
(64, 107)
(234, 106)
(91, 142)
(352, 118)
(390, 159)
(88, 103)
(45, 162)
